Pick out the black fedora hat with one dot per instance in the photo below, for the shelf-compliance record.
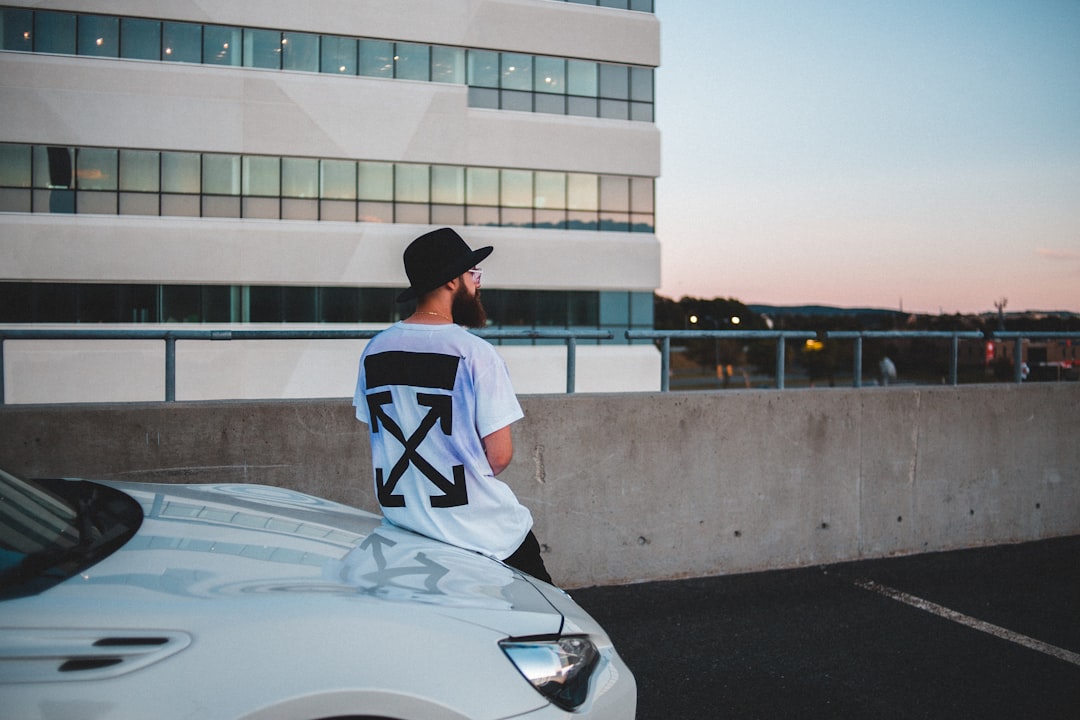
(435, 258)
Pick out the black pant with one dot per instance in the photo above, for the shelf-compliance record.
(527, 559)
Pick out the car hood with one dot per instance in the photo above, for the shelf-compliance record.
(233, 543)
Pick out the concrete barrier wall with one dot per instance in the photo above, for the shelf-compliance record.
(652, 486)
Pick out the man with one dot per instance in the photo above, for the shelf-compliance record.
(439, 405)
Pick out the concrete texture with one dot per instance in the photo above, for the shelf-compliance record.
(629, 487)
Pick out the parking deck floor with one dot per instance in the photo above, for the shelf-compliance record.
(983, 633)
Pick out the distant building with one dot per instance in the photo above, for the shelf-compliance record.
(252, 162)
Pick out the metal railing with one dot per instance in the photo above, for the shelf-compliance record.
(860, 335)
(665, 336)
(569, 337)
(170, 336)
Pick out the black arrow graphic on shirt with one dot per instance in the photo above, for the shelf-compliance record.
(454, 491)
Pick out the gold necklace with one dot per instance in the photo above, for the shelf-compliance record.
(438, 315)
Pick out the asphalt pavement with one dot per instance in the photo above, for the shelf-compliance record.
(983, 633)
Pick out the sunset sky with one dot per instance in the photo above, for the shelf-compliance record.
(922, 154)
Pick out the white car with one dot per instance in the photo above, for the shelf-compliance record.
(123, 600)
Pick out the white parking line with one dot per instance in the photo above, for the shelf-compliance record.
(996, 631)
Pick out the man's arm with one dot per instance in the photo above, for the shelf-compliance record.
(499, 449)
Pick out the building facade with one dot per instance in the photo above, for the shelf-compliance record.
(266, 162)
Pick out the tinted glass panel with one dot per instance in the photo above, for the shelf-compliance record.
(412, 62)
(300, 51)
(377, 58)
(614, 81)
(300, 177)
(582, 192)
(221, 174)
(447, 185)
(262, 176)
(338, 180)
(54, 167)
(338, 55)
(448, 65)
(517, 190)
(376, 181)
(221, 45)
(181, 42)
(550, 75)
(16, 30)
(641, 84)
(262, 48)
(140, 39)
(99, 36)
(483, 68)
(139, 171)
(641, 195)
(96, 169)
(581, 78)
(15, 165)
(550, 191)
(516, 71)
(54, 32)
(181, 172)
(411, 183)
(482, 186)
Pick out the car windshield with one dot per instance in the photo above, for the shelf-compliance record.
(52, 529)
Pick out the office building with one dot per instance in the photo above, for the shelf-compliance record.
(255, 163)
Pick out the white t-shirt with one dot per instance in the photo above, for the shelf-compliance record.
(429, 393)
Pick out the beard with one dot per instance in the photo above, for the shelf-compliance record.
(467, 309)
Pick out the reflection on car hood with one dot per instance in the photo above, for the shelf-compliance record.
(233, 541)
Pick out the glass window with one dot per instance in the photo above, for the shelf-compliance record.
(552, 309)
(15, 164)
(553, 104)
(614, 109)
(54, 32)
(447, 185)
(140, 39)
(298, 304)
(615, 193)
(377, 58)
(262, 176)
(448, 65)
(482, 186)
(300, 51)
(517, 190)
(99, 36)
(519, 100)
(54, 302)
(617, 4)
(376, 181)
(96, 169)
(550, 75)
(220, 174)
(483, 98)
(483, 66)
(181, 303)
(181, 172)
(139, 171)
(411, 183)
(262, 48)
(641, 84)
(641, 309)
(16, 29)
(614, 308)
(641, 112)
(642, 5)
(181, 42)
(516, 71)
(338, 180)
(583, 308)
(300, 177)
(641, 195)
(412, 62)
(221, 45)
(614, 81)
(581, 78)
(53, 167)
(581, 191)
(338, 55)
(550, 190)
(339, 305)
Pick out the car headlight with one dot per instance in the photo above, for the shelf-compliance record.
(559, 668)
